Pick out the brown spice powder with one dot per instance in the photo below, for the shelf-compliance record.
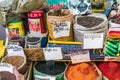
(16, 61)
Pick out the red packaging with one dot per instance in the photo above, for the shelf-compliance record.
(36, 22)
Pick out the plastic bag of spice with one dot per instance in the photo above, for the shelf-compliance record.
(79, 6)
(29, 5)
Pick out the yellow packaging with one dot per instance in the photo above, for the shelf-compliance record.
(98, 5)
(2, 51)
(16, 28)
(1, 42)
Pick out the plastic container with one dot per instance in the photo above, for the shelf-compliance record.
(43, 74)
(23, 67)
(33, 42)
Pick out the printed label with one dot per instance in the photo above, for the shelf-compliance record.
(109, 58)
(44, 78)
(81, 56)
(93, 41)
(6, 67)
(53, 53)
(61, 29)
(34, 25)
(14, 43)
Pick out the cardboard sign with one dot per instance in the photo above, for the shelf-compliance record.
(6, 67)
(61, 29)
(54, 53)
(93, 41)
(81, 56)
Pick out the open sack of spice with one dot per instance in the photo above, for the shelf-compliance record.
(28, 5)
(92, 23)
(82, 71)
(16, 57)
(9, 72)
(110, 70)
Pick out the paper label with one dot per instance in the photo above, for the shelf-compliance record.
(6, 67)
(14, 43)
(61, 29)
(81, 56)
(44, 78)
(53, 53)
(93, 41)
(15, 50)
(109, 58)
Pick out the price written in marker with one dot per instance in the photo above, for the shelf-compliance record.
(93, 41)
(6, 67)
(80, 56)
(53, 53)
(61, 29)
(15, 50)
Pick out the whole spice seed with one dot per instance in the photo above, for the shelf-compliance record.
(16, 61)
(32, 39)
(89, 22)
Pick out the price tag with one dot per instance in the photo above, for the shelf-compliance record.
(6, 67)
(81, 56)
(93, 41)
(2, 51)
(54, 53)
(44, 77)
(110, 58)
(61, 29)
(15, 50)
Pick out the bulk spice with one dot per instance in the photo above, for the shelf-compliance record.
(89, 22)
(111, 70)
(5, 75)
(82, 71)
(16, 61)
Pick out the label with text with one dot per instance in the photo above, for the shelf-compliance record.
(61, 29)
(93, 41)
(6, 67)
(80, 56)
(53, 53)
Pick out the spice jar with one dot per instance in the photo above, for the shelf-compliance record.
(33, 42)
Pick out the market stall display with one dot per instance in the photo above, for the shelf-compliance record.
(59, 39)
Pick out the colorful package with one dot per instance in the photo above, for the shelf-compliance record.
(98, 5)
(80, 6)
(57, 4)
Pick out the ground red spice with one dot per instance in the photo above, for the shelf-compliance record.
(111, 70)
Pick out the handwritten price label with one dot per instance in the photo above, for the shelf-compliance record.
(81, 56)
(93, 41)
(6, 67)
(15, 50)
(53, 53)
(61, 29)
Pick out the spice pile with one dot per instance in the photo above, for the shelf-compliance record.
(89, 21)
(111, 70)
(83, 71)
